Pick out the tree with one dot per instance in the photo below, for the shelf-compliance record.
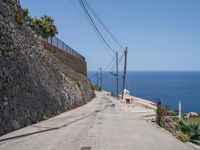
(48, 24)
(25, 13)
(44, 26)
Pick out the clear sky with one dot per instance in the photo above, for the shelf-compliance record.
(160, 34)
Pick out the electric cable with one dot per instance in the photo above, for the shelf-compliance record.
(103, 25)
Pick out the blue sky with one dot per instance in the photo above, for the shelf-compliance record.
(160, 34)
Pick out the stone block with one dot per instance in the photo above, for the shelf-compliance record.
(1, 86)
(1, 131)
(3, 125)
(6, 114)
(15, 124)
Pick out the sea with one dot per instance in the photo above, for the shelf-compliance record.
(169, 87)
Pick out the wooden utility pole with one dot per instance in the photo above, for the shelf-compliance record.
(97, 79)
(101, 78)
(117, 76)
(124, 76)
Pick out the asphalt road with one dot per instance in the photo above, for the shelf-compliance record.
(102, 124)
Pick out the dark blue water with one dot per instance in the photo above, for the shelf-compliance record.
(169, 87)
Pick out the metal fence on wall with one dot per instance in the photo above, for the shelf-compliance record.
(17, 1)
(54, 40)
(61, 45)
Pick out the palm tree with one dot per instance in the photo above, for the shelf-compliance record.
(49, 27)
(37, 26)
(44, 27)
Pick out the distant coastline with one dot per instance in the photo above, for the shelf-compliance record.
(169, 87)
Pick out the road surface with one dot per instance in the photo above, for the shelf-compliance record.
(102, 124)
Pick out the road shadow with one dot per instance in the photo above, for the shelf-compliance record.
(112, 105)
(50, 129)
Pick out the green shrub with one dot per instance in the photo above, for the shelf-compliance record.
(197, 119)
(170, 113)
(176, 119)
(182, 137)
(160, 113)
(18, 19)
(44, 117)
(96, 88)
(25, 13)
(191, 129)
(57, 113)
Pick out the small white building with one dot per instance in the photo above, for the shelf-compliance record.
(126, 92)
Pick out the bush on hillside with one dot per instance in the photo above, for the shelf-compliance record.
(43, 26)
(96, 88)
(182, 137)
(191, 129)
(162, 111)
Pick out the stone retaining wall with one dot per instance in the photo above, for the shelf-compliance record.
(66, 58)
(34, 83)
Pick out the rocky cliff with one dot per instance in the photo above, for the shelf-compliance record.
(34, 84)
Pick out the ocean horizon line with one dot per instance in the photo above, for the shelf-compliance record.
(150, 71)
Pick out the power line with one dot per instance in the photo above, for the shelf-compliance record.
(98, 35)
(75, 6)
(92, 75)
(88, 20)
(94, 25)
(110, 63)
(85, 4)
(94, 20)
(104, 26)
(120, 59)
